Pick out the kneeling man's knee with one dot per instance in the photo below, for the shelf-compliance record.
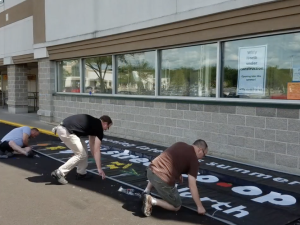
(177, 208)
(83, 156)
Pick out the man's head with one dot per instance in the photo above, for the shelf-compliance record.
(201, 148)
(106, 122)
(34, 133)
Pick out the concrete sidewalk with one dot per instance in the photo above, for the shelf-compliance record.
(27, 119)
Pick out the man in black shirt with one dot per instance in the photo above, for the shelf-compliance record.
(70, 131)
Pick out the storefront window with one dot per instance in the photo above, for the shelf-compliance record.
(136, 73)
(260, 68)
(98, 75)
(189, 71)
(69, 76)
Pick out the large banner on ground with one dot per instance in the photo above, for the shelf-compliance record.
(236, 193)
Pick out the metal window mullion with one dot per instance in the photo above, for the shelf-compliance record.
(218, 70)
(56, 80)
(157, 72)
(114, 74)
(3, 101)
(82, 75)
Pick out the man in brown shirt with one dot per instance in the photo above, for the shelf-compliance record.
(167, 169)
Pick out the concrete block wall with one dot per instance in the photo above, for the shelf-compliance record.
(17, 89)
(267, 137)
(46, 81)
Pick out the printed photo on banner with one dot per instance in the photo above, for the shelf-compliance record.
(252, 70)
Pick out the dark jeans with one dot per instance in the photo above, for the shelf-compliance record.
(4, 146)
(166, 192)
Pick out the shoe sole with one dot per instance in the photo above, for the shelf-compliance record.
(145, 206)
(53, 175)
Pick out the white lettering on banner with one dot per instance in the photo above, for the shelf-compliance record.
(294, 182)
(265, 176)
(247, 190)
(109, 152)
(139, 160)
(186, 194)
(276, 199)
(241, 213)
(207, 179)
(155, 150)
(238, 209)
(124, 155)
(260, 175)
(212, 164)
(280, 180)
(240, 170)
(223, 166)
(182, 189)
(125, 144)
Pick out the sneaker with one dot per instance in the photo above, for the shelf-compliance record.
(142, 195)
(147, 205)
(9, 154)
(3, 155)
(54, 129)
(83, 176)
(56, 174)
(30, 154)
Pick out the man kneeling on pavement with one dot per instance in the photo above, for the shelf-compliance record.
(167, 169)
(16, 142)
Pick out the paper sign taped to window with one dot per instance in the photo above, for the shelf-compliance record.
(293, 91)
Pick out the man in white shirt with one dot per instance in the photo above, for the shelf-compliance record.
(17, 141)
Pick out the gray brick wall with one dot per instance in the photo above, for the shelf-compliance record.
(46, 81)
(17, 89)
(267, 137)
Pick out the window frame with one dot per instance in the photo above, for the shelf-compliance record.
(219, 76)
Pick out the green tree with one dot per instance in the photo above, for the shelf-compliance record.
(100, 65)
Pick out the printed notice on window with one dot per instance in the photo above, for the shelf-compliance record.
(293, 91)
(252, 70)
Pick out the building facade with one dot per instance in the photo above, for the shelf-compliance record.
(225, 71)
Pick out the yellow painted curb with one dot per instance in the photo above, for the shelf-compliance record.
(48, 132)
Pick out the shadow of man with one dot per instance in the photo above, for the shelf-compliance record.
(48, 180)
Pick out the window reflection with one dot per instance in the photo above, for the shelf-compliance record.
(189, 71)
(136, 73)
(282, 60)
(98, 75)
(69, 76)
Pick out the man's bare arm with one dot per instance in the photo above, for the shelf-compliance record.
(25, 139)
(92, 143)
(97, 156)
(195, 194)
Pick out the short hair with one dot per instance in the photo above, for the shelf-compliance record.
(106, 119)
(35, 129)
(201, 144)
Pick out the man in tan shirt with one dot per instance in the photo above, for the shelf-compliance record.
(167, 169)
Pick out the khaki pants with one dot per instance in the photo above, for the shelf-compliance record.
(78, 146)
